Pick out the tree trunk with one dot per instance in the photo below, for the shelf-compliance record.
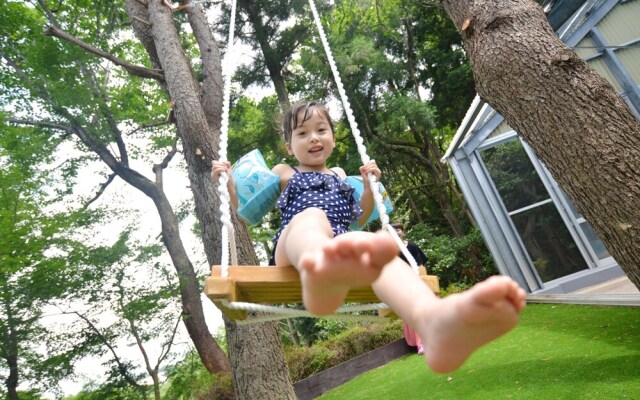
(210, 353)
(259, 359)
(198, 121)
(274, 66)
(411, 57)
(551, 96)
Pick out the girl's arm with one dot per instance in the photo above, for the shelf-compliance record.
(218, 167)
(285, 172)
(366, 201)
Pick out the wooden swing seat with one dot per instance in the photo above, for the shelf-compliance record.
(276, 285)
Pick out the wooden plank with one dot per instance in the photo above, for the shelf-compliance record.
(277, 285)
(315, 385)
(601, 299)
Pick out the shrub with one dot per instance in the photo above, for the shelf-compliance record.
(306, 361)
(221, 388)
(359, 339)
(189, 380)
(310, 330)
(454, 288)
(462, 259)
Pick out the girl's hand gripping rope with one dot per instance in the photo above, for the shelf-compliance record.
(217, 168)
(369, 168)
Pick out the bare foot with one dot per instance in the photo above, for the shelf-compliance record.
(457, 325)
(351, 259)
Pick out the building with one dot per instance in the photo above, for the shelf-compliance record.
(531, 228)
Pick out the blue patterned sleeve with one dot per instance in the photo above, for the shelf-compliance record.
(354, 202)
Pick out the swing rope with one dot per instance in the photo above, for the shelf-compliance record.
(228, 234)
(278, 313)
(362, 150)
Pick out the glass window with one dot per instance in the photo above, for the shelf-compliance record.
(551, 248)
(502, 128)
(593, 239)
(544, 234)
(585, 48)
(601, 67)
(514, 176)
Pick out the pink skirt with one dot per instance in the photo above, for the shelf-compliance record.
(410, 336)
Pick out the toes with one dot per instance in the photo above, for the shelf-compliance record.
(494, 289)
(499, 289)
(344, 248)
(519, 299)
(385, 244)
(306, 263)
(353, 246)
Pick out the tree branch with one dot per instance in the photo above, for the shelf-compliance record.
(136, 179)
(121, 366)
(157, 168)
(108, 116)
(131, 68)
(23, 75)
(42, 124)
(101, 190)
(400, 143)
(166, 347)
(134, 330)
(152, 125)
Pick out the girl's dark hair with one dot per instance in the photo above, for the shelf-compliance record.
(306, 109)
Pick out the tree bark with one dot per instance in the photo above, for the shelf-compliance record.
(571, 117)
(198, 116)
(262, 349)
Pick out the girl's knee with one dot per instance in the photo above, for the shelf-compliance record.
(312, 218)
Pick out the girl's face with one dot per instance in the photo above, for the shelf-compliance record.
(312, 142)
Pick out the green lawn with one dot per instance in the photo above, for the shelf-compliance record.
(557, 352)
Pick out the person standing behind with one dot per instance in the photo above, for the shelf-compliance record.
(410, 336)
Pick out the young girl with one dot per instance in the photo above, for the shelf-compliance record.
(317, 208)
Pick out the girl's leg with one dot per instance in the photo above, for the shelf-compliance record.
(453, 327)
(308, 229)
(329, 267)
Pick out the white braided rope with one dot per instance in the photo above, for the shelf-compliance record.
(228, 233)
(403, 248)
(268, 318)
(240, 305)
(278, 313)
(362, 150)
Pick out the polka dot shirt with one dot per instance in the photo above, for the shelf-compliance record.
(325, 191)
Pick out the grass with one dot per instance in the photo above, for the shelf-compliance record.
(556, 352)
